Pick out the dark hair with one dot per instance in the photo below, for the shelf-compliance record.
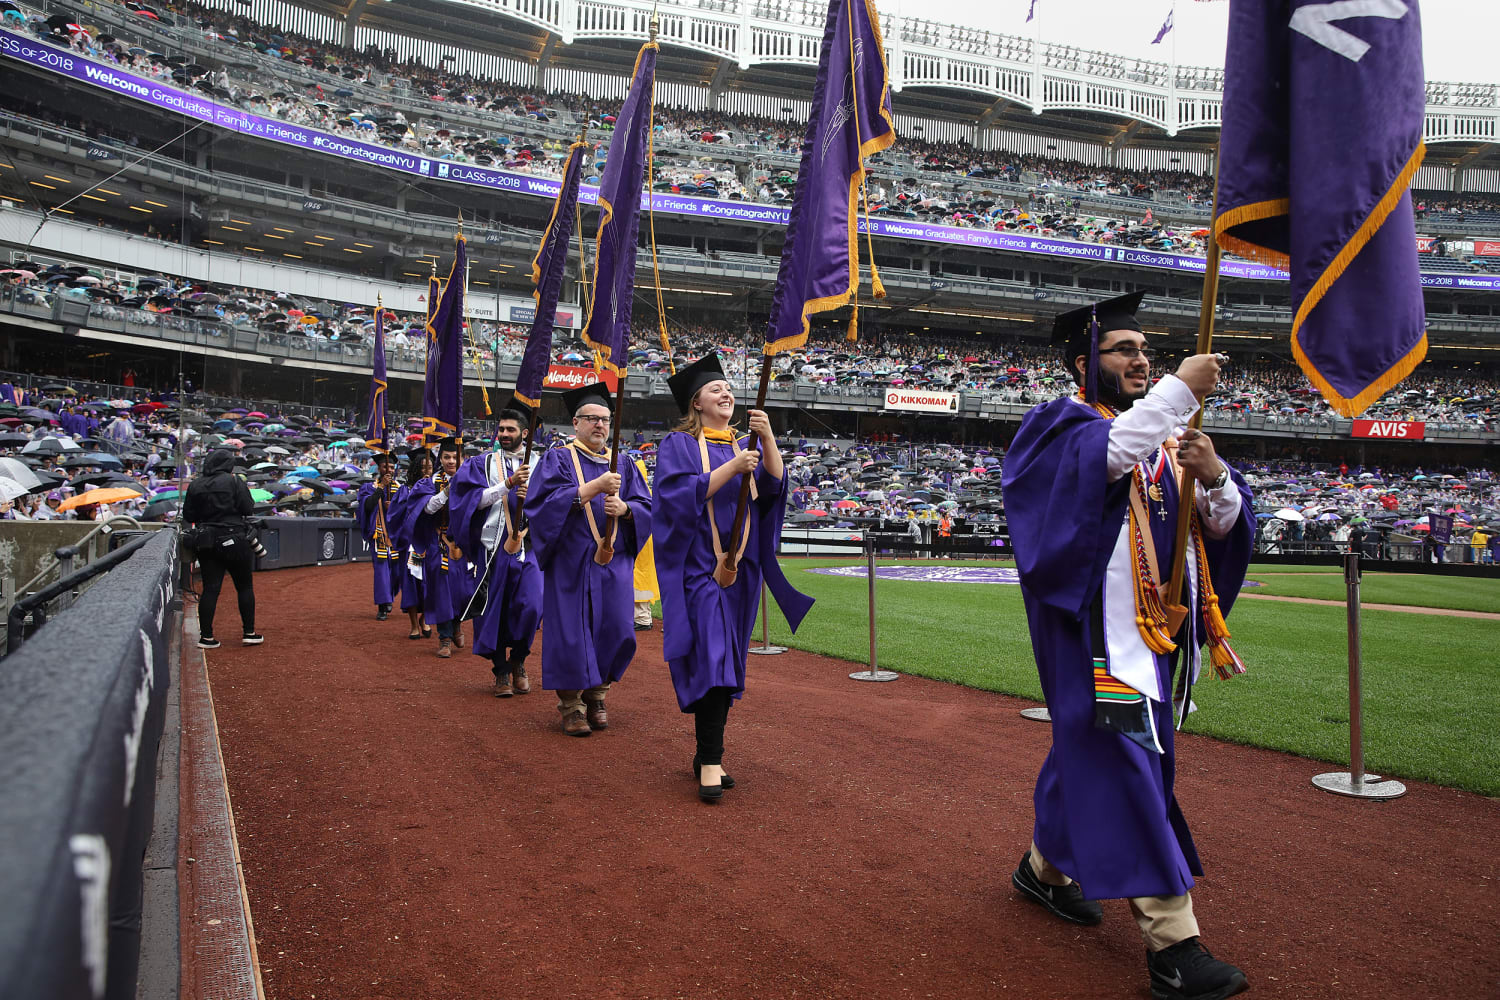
(513, 414)
(446, 444)
(414, 473)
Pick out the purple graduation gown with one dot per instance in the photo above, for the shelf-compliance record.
(706, 629)
(1105, 809)
(411, 587)
(444, 592)
(589, 610)
(389, 568)
(513, 600)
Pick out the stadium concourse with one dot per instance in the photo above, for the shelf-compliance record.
(214, 219)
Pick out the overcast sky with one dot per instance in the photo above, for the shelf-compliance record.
(1459, 36)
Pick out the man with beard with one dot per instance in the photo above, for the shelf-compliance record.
(373, 514)
(487, 496)
(1091, 494)
(587, 605)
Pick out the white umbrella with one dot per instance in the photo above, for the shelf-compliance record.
(11, 490)
(277, 449)
(1287, 514)
(16, 470)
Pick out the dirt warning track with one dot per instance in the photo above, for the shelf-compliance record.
(405, 835)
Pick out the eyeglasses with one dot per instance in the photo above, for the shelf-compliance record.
(1132, 352)
(597, 421)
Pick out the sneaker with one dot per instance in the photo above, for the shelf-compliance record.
(208, 642)
(1065, 901)
(1186, 971)
(253, 639)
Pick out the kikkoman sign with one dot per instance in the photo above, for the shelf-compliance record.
(921, 401)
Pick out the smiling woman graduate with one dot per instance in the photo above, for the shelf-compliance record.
(707, 621)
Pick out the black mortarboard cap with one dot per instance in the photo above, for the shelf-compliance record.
(384, 457)
(448, 444)
(596, 392)
(1071, 329)
(1077, 332)
(686, 383)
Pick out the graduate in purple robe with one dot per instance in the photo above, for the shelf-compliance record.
(1091, 497)
(373, 513)
(487, 496)
(435, 557)
(706, 627)
(418, 467)
(588, 608)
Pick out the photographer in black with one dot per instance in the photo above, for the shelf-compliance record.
(216, 506)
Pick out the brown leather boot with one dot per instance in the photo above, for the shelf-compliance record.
(445, 648)
(574, 724)
(519, 679)
(503, 687)
(595, 714)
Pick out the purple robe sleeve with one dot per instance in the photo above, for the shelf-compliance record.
(1061, 514)
(549, 501)
(408, 521)
(1229, 557)
(465, 516)
(364, 511)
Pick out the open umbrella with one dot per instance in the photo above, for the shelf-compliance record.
(104, 495)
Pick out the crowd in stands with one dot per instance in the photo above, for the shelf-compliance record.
(1012, 369)
(67, 455)
(688, 137)
(934, 182)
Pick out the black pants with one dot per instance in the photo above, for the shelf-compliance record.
(709, 715)
(506, 659)
(239, 562)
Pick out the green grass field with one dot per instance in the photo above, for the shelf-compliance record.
(1431, 706)
(1461, 593)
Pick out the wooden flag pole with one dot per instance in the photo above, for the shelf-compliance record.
(1177, 612)
(727, 570)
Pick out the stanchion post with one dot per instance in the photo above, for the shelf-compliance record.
(1356, 783)
(765, 648)
(872, 674)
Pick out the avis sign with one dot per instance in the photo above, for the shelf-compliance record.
(921, 401)
(1395, 430)
(565, 377)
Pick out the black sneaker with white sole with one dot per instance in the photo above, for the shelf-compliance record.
(253, 639)
(208, 642)
(1186, 971)
(1065, 901)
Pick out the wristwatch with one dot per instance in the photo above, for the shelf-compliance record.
(1223, 480)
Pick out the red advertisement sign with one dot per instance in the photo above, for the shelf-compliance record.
(1487, 248)
(567, 377)
(1395, 430)
(1424, 244)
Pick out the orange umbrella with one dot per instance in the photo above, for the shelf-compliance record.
(109, 494)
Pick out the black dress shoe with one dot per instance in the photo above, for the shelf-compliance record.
(710, 793)
(426, 631)
(724, 782)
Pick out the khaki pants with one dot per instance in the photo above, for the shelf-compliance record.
(1163, 920)
(569, 702)
(643, 612)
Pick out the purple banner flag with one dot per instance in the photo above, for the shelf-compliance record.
(610, 299)
(375, 429)
(1166, 27)
(547, 276)
(850, 119)
(1031, 12)
(1322, 135)
(443, 391)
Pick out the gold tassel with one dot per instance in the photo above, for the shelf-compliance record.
(875, 280)
(853, 334)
